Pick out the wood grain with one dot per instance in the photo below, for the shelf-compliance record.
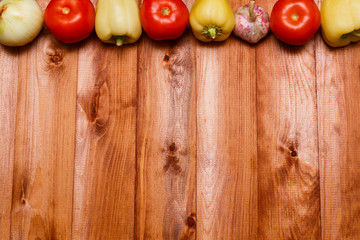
(226, 140)
(104, 192)
(289, 187)
(179, 139)
(166, 144)
(338, 72)
(45, 141)
(8, 100)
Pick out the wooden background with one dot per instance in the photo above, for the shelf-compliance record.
(179, 139)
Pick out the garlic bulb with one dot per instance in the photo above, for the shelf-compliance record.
(251, 23)
(20, 21)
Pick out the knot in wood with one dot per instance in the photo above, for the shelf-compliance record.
(172, 148)
(55, 57)
(172, 160)
(166, 58)
(94, 104)
(190, 221)
(172, 164)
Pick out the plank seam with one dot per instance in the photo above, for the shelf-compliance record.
(196, 136)
(318, 134)
(257, 143)
(74, 158)
(136, 142)
(13, 162)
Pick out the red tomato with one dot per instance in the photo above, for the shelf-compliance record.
(164, 19)
(295, 21)
(70, 20)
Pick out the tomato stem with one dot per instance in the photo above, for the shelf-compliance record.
(165, 11)
(66, 10)
(251, 11)
(294, 16)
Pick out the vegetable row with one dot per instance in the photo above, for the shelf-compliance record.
(122, 22)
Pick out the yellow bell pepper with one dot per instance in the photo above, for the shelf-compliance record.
(118, 21)
(340, 22)
(212, 20)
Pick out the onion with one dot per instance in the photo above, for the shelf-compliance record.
(20, 21)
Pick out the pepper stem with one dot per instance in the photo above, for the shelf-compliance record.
(120, 40)
(355, 33)
(212, 31)
(251, 11)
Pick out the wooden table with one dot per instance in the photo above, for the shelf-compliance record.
(180, 139)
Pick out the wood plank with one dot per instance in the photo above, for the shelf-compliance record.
(8, 99)
(45, 140)
(226, 139)
(166, 141)
(104, 181)
(289, 187)
(338, 72)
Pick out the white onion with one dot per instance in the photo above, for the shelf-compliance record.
(20, 21)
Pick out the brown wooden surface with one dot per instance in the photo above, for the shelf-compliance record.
(338, 74)
(179, 139)
(44, 141)
(104, 174)
(8, 100)
(165, 140)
